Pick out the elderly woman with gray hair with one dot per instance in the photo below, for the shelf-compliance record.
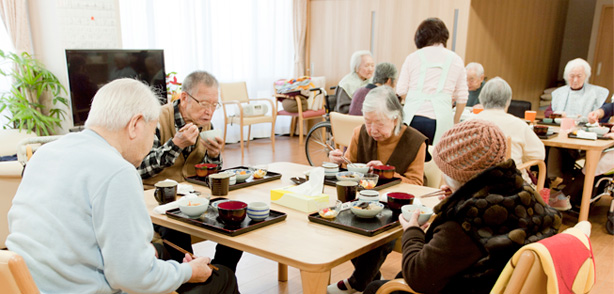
(361, 66)
(382, 139)
(578, 98)
(385, 74)
(495, 96)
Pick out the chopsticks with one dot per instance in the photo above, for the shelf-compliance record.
(342, 157)
(169, 243)
(436, 193)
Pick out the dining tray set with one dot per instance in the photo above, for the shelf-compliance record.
(345, 220)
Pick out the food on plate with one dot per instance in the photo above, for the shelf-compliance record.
(241, 172)
(367, 184)
(259, 174)
(190, 203)
(350, 176)
(328, 213)
(367, 206)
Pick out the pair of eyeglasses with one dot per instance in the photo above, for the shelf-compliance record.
(205, 104)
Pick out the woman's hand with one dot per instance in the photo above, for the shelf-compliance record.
(373, 163)
(413, 222)
(448, 191)
(336, 156)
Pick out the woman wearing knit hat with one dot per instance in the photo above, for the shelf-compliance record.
(489, 216)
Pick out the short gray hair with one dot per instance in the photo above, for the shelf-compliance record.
(479, 69)
(118, 101)
(384, 101)
(575, 63)
(496, 94)
(356, 59)
(383, 72)
(199, 77)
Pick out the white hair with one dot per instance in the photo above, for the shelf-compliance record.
(356, 59)
(452, 183)
(118, 101)
(575, 63)
(496, 94)
(384, 102)
(478, 68)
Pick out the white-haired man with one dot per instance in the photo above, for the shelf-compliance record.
(361, 72)
(79, 218)
(178, 147)
(475, 82)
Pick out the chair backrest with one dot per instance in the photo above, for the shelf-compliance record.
(343, 125)
(234, 91)
(432, 173)
(15, 277)
(518, 107)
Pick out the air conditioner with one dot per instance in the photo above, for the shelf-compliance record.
(255, 109)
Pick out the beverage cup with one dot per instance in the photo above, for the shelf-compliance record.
(258, 211)
(346, 190)
(166, 191)
(219, 184)
(477, 109)
(530, 115)
(567, 124)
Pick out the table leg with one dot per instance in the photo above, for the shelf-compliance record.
(592, 159)
(282, 272)
(315, 282)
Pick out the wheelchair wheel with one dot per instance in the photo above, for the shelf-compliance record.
(315, 143)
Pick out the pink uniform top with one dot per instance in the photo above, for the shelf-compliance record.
(456, 83)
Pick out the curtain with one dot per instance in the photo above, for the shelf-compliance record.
(235, 40)
(300, 30)
(15, 18)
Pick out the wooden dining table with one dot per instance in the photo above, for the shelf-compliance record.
(593, 149)
(312, 248)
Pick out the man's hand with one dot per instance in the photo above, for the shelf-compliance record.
(214, 146)
(200, 268)
(186, 136)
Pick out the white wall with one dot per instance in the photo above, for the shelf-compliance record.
(71, 24)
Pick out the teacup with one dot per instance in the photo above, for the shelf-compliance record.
(258, 211)
(166, 191)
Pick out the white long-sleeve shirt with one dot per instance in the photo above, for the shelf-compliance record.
(80, 222)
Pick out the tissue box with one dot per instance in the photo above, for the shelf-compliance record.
(299, 202)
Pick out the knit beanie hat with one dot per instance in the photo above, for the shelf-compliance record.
(469, 148)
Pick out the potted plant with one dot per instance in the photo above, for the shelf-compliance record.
(31, 81)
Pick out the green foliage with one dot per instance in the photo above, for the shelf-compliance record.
(30, 81)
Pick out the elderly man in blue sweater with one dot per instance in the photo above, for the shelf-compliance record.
(79, 218)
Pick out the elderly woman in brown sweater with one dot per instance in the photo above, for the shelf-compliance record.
(488, 217)
(384, 139)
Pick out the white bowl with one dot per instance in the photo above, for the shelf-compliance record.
(599, 130)
(216, 203)
(558, 120)
(240, 173)
(358, 167)
(368, 195)
(425, 212)
(193, 207)
(372, 211)
(258, 211)
(211, 134)
(349, 176)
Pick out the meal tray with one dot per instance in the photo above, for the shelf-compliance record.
(599, 137)
(381, 183)
(270, 176)
(210, 220)
(347, 221)
(548, 136)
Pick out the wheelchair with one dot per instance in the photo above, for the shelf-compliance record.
(608, 190)
(320, 139)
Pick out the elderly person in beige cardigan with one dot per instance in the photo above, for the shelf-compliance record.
(362, 67)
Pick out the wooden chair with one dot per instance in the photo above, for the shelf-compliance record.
(541, 166)
(528, 274)
(15, 277)
(342, 127)
(316, 108)
(432, 173)
(236, 94)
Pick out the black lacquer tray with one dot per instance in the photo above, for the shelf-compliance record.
(347, 221)
(210, 220)
(599, 137)
(548, 135)
(270, 176)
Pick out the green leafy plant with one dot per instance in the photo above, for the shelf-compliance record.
(30, 82)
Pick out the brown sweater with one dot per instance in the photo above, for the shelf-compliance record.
(385, 148)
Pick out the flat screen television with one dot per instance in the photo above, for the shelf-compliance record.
(88, 70)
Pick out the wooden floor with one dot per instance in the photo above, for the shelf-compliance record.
(259, 275)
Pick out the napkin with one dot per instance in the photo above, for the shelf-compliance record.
(184, 189)
(586, 135)
(314, 186)
(162, 209)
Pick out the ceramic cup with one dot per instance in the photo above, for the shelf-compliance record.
(346, 190)
(258, 211)
(368, 196)
(219, 184)
(166, 191)
(530, 115)
(567, 124)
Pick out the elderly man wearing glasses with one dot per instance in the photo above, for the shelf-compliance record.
(178, 147)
